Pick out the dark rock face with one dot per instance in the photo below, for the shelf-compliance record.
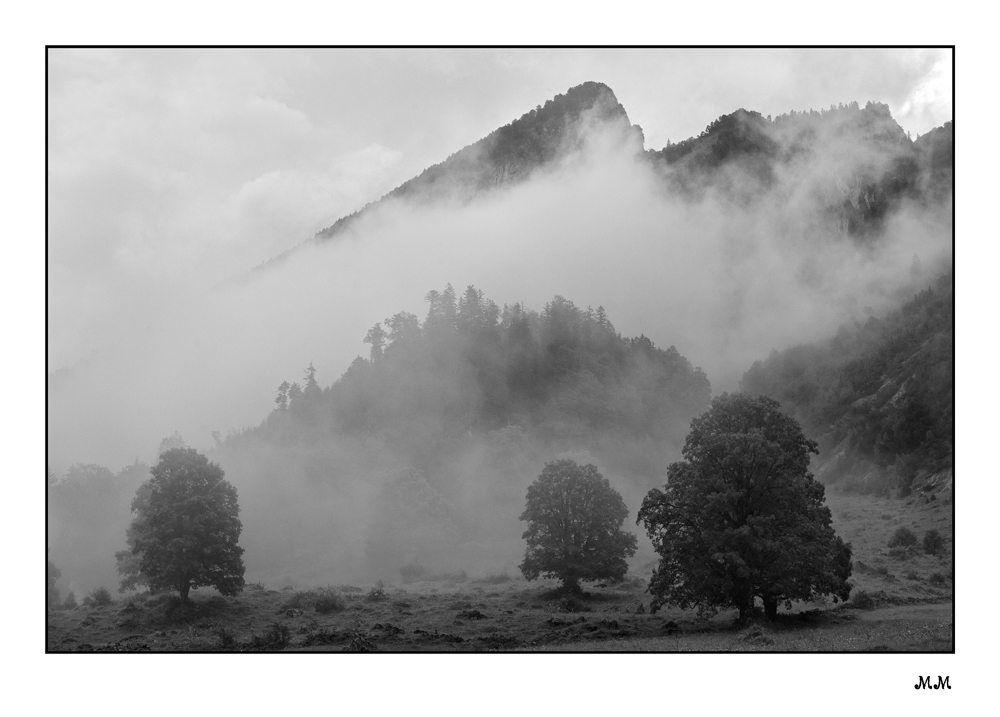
(513, 152)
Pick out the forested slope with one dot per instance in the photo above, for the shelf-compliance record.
(879, 395)
(856, 162)
(423, 451)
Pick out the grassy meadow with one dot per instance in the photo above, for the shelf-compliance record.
(902, 601)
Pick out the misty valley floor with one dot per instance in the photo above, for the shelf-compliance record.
(909, 608)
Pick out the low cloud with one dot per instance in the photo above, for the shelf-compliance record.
(723, 283)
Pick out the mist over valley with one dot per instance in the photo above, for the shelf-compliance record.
(382, 394)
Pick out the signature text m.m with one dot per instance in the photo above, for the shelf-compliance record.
(924, 683)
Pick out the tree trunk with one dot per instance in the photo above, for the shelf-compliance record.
(771, 607)
(745, 605)
(571, 585)
(746, 613)
(185, 589)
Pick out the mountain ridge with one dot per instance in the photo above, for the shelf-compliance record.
(742, 143)
(506, 156)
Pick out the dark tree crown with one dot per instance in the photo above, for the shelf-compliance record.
(574, 521)
(188, 526)
(741, 516)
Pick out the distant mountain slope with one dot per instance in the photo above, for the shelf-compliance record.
(937, 158)
(879, 396)
(858, 162)
(512, 152)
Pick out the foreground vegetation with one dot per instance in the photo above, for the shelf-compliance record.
(477, 616)
(901, 601)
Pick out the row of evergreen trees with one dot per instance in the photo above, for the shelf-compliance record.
(471, 365)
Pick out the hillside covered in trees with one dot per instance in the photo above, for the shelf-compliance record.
(472, 367)
(857, 162)
(879, 396)
(424, 449)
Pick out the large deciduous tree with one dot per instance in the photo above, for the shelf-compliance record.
(741, 517)
(574, 526)
(188, 528)
(128, 562)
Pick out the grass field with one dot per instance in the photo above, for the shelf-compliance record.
(907, 606)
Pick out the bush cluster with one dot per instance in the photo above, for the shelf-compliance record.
(863, 600)
(328, 601)
(902, 538)
(323, 600)
(933, 542)
(226, 638)
(100, 597)
(275, 636)
(377, 593)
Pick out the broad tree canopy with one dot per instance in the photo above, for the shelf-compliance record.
(188, 528)
(574, 526)
(741, 516)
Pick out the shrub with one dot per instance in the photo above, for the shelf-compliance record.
(100, 597)
(863, 600)
(377, 593)
(226, 639)
(298, 601)
(70, 602)
(937, 579)
(569, 604)
(902, 538)
(756, 635)
(933, 542)
(275, 636)
(329, 601)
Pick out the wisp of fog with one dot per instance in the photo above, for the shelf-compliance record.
(723, 281)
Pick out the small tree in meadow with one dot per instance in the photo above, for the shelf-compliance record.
(574, 527)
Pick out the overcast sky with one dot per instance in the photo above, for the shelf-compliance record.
(170, 170)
